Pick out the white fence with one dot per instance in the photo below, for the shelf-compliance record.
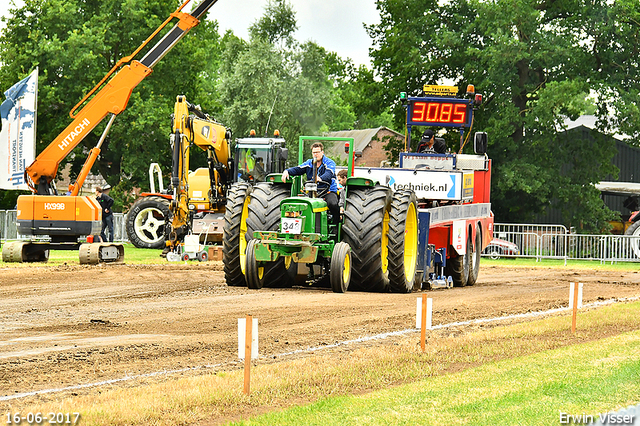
(9, 231)
(555, 242)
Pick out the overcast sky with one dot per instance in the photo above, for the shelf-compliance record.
(336, 25)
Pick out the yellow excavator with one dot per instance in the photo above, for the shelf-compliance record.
(208, 191)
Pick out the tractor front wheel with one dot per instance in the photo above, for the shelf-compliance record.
(340, 272)
(254, 271)
(263, 214)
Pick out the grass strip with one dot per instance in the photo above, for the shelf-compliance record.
(588, 378)
(443, 374)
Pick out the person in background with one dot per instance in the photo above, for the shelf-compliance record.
(326, 177)
(440, 146)
(258, 172)
(342, 181)
(427, 141)
(106, 203)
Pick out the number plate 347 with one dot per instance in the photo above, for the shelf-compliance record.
(291, 225)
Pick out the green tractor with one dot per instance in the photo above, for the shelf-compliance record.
(290, 239)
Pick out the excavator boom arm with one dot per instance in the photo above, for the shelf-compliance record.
(112, 97)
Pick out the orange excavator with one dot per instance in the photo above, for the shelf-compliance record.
(66, 219)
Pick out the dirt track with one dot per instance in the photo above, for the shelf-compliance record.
(69, 325)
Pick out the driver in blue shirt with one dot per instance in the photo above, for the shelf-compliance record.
(326, 178)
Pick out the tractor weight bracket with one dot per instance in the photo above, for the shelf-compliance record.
(307, 254)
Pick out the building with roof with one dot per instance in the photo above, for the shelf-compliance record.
(589, 122)
(368, 141)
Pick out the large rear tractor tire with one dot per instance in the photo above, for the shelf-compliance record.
(234, 242)
(458, 267)
(366, 229)
(634, 230)
(145, 222)
(403, 242)
(263, 214)
(340, 272)
(474, 266)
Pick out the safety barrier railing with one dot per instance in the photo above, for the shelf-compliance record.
(9, 230)
(522, 244)
(523, 227)
(555, 242)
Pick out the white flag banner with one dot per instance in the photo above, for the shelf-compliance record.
(18, 135)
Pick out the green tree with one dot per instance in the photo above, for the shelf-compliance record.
(535, 62)
(282, 85)
(277, 25)
(74, 43)
(299, 88)
(366, 96)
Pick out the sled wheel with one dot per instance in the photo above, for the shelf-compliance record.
(458, 267)
(634, 230)
(145, 222)
(474, 266)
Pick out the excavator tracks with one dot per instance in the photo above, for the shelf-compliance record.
(24, 251)
(94, 253)
(90, 253)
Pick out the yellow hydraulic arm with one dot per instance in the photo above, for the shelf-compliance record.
(191, 126)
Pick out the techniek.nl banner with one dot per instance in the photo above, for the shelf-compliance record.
(18, 135)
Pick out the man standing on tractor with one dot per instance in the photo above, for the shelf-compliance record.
(325, 177)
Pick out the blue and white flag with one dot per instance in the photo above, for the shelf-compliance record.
(18, 135)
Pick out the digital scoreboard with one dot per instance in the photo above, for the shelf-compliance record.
(446, 112)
